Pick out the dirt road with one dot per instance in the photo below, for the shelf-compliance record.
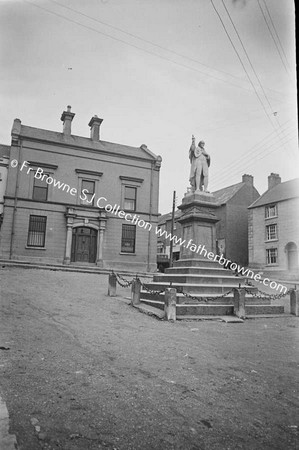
(80, 370)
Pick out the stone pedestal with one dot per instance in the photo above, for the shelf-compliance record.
(198, 222)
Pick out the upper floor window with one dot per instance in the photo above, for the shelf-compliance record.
(130, 198)
(270, 211)
(37, 231)
(40, 189)
(128, 238)
(271, 232)
(87, 192)
(271, 256)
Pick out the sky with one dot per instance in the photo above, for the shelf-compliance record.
(158, 71)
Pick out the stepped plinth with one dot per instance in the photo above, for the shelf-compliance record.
(198, 274)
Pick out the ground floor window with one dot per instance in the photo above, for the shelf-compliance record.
(128, 238)
(272, 256)
(37, 231)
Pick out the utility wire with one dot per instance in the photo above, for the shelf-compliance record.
(240, 59)
(258, 147)
(140, 48)
(254, 161)
(277, 36)
(248, 58)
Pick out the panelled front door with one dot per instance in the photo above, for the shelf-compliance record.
(84, 245)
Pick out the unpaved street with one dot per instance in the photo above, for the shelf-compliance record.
(80, 370)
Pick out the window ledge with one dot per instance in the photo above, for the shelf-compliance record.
(127, 253)
(35, 248)
(272, 240)
(272, 217)
(272, 265)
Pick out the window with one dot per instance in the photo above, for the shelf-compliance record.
(37, 231)
(271, 232)
(272, 256)
(40, 189)
(130, 198)
(128, 238)
(87, 190)
(270, 211)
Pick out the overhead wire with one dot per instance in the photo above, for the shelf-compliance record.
(215, 188)
(277, 36)
(255, 149)
(141, 48)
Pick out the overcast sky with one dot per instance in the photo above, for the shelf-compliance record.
(158, 71)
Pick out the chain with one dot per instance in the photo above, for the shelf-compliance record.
(205, 299)
(151, 291)
(121, 280)
(262, 294)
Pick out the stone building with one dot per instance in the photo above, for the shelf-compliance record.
(231, 229)
(274, 231)
(79, 200)
(4, 158)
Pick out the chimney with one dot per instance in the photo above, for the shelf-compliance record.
(273, 180)
(67, 117)
(94, 125)
(248, 179)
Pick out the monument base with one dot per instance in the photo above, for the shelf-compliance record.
(198, 222)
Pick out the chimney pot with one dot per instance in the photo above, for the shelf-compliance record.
(248, 179)
(94, 124)
(67, 117)
(273, 180)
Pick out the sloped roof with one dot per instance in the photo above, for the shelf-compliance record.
(4, 150)
(225, 194)
(164, 217)
(79, 141)
(280, 192)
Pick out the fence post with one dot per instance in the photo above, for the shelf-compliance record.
(135, 292)
(170, 304)
(112, 285)
(239, 303)
(294, 302)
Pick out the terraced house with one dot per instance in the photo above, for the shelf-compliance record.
(79, 200)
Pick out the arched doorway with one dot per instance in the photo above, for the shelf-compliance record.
(84, 245)
(292, 256)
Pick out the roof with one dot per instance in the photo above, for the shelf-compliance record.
(4, 150)
(165, 217)
(225, 194)
(79, 141)
(280, 192)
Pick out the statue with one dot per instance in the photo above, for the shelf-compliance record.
(200, 162)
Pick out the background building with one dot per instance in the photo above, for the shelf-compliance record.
(61, 217)
(273, 229)
(4, 158)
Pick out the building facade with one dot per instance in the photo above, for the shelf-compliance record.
(78, 200)
(274, 231)
(4, 159)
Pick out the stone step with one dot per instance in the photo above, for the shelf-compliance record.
(198, 279)
(199, 289)
(199, 262)
(221, 301)
(199, 271)
(222, 310)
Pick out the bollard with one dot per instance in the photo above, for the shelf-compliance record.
(170, 304)
(135, 292)
(239, 303)
(112, 285)
(294, 303)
